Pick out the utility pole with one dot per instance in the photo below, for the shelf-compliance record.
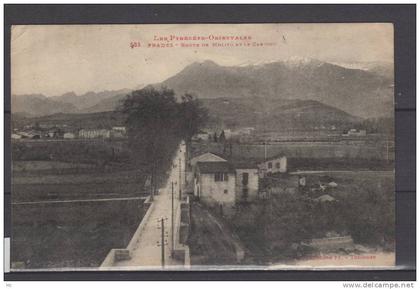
(265, 151)
(162, 241)
(179, 185)
(172, 221)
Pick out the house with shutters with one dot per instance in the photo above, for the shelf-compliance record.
(216, 181)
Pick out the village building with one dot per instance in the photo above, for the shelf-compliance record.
(69, 135)
(192, 167)
(94, 133)
(118, 132)
(355, 132)
(216, 181)
(247, 182)
(276, 164)
(206, 157)
(201, 136)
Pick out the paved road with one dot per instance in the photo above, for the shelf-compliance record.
(147, 254)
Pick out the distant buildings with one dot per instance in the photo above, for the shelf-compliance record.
(65, 132)
(118, 132)
(201, 136)
(276, 164)
(16, 136)
(94, 133)
(69, 135)
(355, 132)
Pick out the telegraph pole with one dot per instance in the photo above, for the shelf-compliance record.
(172, 221)
(162, 242)
(179, 185)
(265, 151)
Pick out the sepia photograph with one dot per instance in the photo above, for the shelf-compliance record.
(202, 147)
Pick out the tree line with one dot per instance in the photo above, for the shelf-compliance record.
(156, 121)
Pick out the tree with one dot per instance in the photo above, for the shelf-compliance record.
(222, 137)
(192, 115)
(156, 122)
(151, 126)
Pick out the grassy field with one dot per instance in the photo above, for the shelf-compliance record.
(65, 235)
(43, 180)
(307, 155)
(49, 233)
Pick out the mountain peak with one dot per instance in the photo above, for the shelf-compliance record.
(296, 62)
(205, 63)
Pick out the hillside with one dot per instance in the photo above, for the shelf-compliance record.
(89, 99)
(358, 92)
(264, 114)
(37, 104)
(275, 114)
(73, 120)
(363, 90)
(107, 104)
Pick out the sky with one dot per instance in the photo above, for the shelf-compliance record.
(56, 59)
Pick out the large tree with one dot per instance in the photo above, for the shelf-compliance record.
(156, 122)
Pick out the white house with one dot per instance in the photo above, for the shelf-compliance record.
(247, 181)
(69, 135)
(215, 183)
(276, 164)
(206, 157)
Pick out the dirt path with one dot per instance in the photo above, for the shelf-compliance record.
(211, 242)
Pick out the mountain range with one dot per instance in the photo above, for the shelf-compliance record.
(365, 91)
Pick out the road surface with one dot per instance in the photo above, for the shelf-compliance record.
(146, 254)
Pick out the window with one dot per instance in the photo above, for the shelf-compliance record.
(245, 177)
(225, 191)
(221, 177)
(278, 165)
(270, 165)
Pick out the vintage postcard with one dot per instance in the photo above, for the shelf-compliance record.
(202, 146)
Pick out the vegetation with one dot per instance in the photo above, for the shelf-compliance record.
(72, 234)
(156, 122)
(275, 229)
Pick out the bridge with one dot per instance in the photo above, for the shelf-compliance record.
(153, 247)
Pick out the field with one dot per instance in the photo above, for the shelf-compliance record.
(308, 155)
(35, 181)
(76, 234)
(72, 202)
